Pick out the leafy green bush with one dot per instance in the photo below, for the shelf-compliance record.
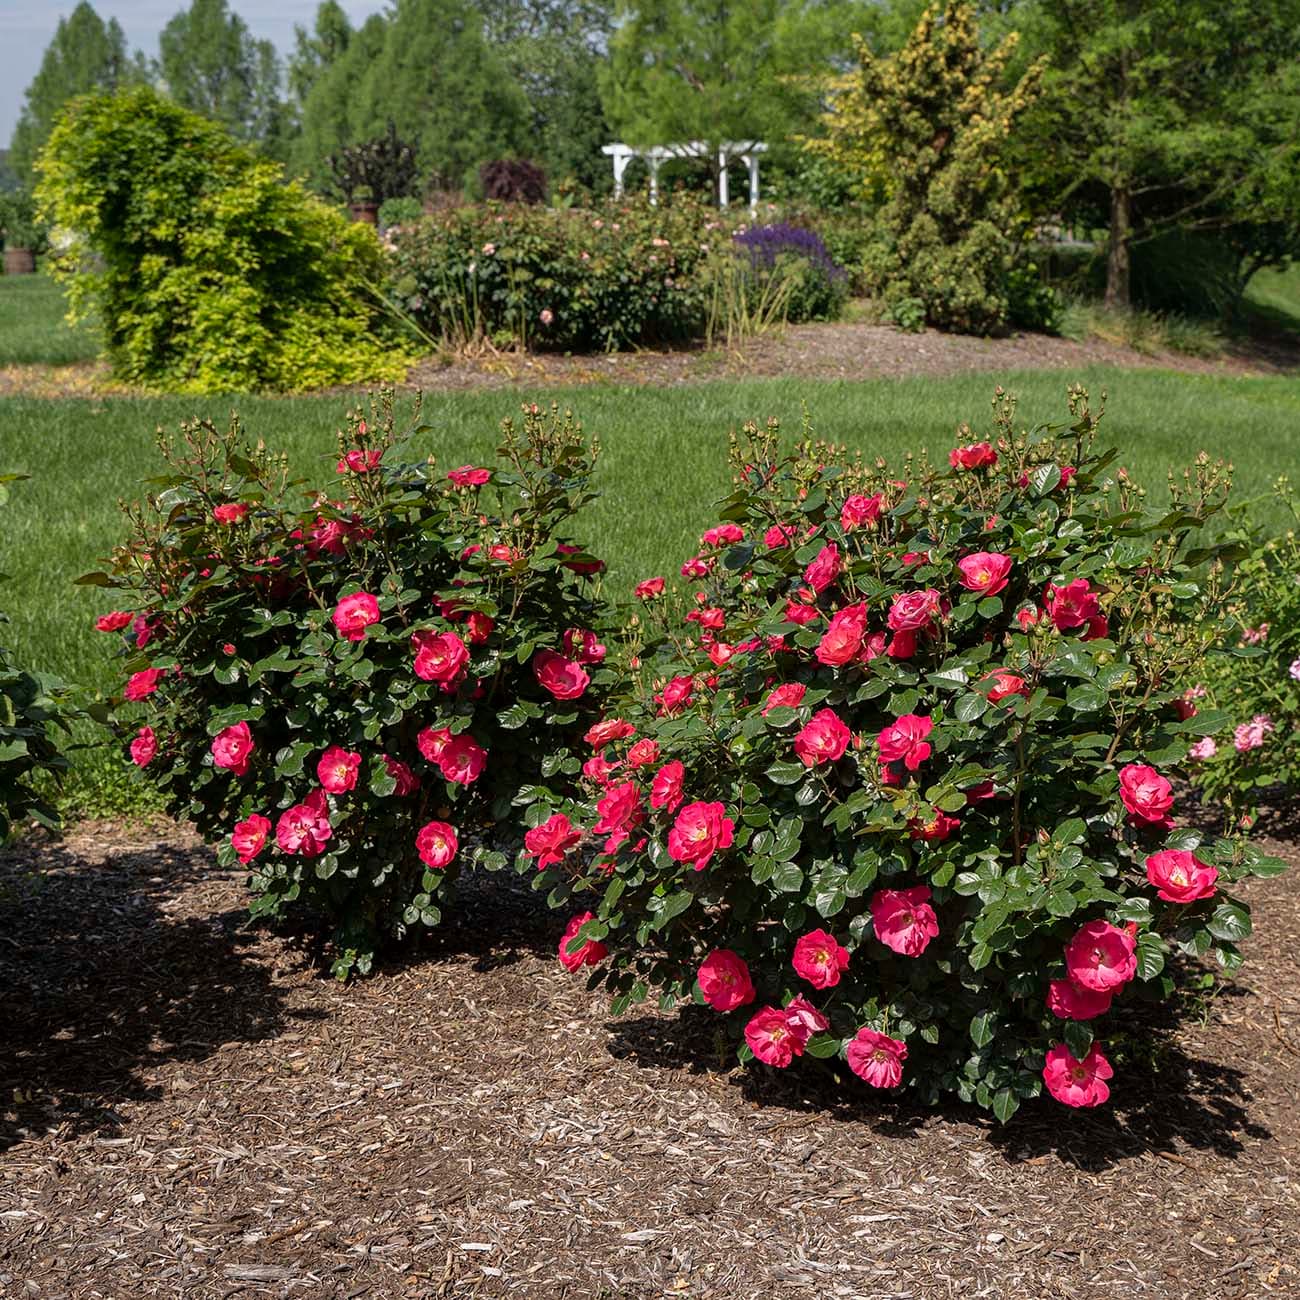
(610, 278)
(896, 791)
(207, 271)
(20, 227)
(1032, 304)
(32, 707)
(346, 690)
(1252, 679)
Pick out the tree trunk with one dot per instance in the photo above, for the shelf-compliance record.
(1117, 251)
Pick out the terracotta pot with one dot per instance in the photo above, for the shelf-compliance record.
(367, 212)
(19, 261)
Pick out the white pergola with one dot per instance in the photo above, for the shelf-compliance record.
(746, 150)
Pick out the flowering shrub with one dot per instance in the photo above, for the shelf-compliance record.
(617, 276)
(1252, 679)
(820, 291)
(33, 707)
(897, 790)
(344, 689)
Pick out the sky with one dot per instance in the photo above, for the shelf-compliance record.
(26, 27)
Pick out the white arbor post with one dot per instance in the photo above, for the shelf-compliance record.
(723, 160)
(747, 151)
(621, 156)
(751, 162)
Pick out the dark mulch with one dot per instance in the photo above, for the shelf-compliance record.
(841, 350)
(188, 1108)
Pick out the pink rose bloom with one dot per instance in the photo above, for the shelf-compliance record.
(431, 743)
(232, 747)
(462, 760)
(338, 768)
(305, 828)
(439, 657)
(789, 695)
(1071, 606)
(565, 679)
(779, 535)
(675, 696)
(551, 841)
(666, 788)
(643, 753)
(650, 589)
(700, 831)
(619, 808)
(468, 476)
(974, 455)
(842, 640)
(1250, 735)
(1146, 794)
(588, 954)
(407, 781)
(1070, 1001)
(1204, 748)
(354, 613)
(232, 513)
(480, 627)
(824, 739)
(819, 959)
(876, 1058)
(858, 510)
(584, 567)
(911, 611)
(1075, 1082)
(601, 733)
(799, 613)
(935, 831)
(144, 747)
(248, 838)
(771, 1039)
(724, 981)
(142, 684)
(360, 461)
(1004, 684)
(599, 769)
(436, 844)
(1180, 877)
(905, 740)
(903, 919)
(723, 535)
(1101, 957)
(582, 645)
(985, 572)
(1294, 670)
(114, 621)
(696, 567)
(804, 1019)
(824, 569)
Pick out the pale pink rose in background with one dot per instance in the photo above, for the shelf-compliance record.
(1203, 749)
(1250, 735)
(1295, 670)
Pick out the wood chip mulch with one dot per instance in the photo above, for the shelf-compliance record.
(839, 350)
(189, 1108)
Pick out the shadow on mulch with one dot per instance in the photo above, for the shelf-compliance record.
(103, 985)
(1175, 1103)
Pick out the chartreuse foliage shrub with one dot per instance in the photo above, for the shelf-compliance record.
(207, 271)
(619, 276)
(1252, 679)
(346, 690)
(34, 708)
(897, 793)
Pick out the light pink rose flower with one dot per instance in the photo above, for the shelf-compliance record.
(903, 919)
(1070, 1001)
(820, 959)
(1180, 877)
(1250, 735)
(877, 1058)
(724, 980)
(1101, 957)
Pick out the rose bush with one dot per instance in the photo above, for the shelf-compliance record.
(895, 790)
(345, 688)
(1251, 680)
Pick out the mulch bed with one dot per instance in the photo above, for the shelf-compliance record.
(189, 1107)
(843, 350)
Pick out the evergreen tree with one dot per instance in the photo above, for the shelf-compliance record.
(86, 54)
(427, 67)
(209, 62)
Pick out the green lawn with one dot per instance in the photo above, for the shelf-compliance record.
(662, 466)
(32, 328)
(1275, 296)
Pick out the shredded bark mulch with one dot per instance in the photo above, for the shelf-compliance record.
(188, 1107)
(839, 350)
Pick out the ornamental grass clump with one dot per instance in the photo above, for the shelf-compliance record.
(346, 689)
(897, 791)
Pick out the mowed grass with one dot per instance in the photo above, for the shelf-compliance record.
(662, 466)
(32, 326)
